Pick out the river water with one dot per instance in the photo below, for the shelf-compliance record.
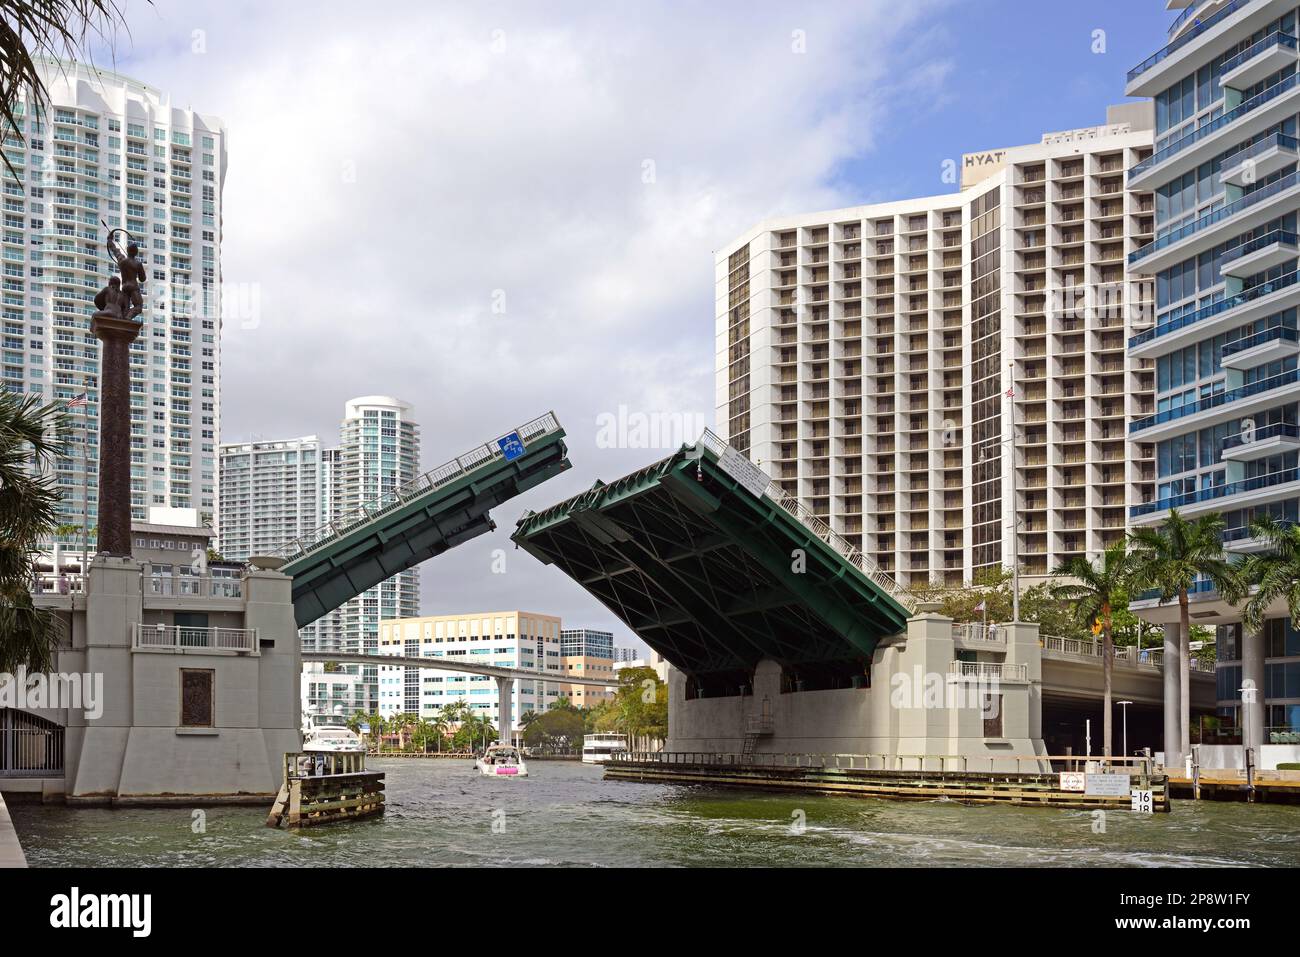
(442, 813)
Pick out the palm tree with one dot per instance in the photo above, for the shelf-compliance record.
(1276, 571)
(31, 437)
(1095, 591)
(32, 28)
(1170, 558)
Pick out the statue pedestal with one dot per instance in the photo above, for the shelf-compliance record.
(116, 334)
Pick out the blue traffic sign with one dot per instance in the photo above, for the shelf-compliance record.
(511, 446)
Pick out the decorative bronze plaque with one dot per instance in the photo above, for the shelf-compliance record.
(198, 697)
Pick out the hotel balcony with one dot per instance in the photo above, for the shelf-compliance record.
(1261, 443)
(1262, 347)
(1251, 118)
(1259, 160)
(1258, 62)
(1242, 540)
(1260, 254)
(1274, 487)
(1256, 302)
(1196, 35)
(1252, 210)
(1233, 404)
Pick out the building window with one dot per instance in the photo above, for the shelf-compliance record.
(198, 698)
(992, 705)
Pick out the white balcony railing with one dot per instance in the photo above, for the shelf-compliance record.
(184, 638)
(977, 632)
(990, 670)
(192, 586)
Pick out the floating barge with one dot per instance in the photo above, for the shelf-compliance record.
(322, 787)
(855, 775)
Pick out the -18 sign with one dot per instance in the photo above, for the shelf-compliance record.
(1142, 802)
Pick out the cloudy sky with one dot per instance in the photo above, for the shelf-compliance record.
(396, 170)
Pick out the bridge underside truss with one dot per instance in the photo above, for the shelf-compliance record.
(327, 577)
(715, 578)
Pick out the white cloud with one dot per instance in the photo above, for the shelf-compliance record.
(511, 161)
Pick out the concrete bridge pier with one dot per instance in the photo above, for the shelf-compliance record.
(1173, 732)
(505, 689)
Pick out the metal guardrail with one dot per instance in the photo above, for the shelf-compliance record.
(185, 638)
(433, 479)
(1247, 295)
(1175, 236)
(1171, 48)
(31, 752)
(1139, 764)
(815, 524)
(1201, 132)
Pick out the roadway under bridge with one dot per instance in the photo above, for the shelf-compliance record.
(409, 525)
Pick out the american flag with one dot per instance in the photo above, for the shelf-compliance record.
(77, 402)
(1011, 393)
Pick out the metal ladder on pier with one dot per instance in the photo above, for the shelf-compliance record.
(756, 726)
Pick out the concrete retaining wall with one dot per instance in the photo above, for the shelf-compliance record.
(11, 852)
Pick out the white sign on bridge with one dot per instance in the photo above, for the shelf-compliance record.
(739, 467)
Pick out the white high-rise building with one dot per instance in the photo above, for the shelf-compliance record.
(111, 148)
(272, 492)
(872, 359)
(275, 491)
(1226, 341)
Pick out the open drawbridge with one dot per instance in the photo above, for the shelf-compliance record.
(439, 510)
(715, 568)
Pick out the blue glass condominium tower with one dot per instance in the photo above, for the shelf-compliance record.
(1224, 259)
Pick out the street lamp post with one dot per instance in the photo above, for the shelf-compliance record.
(1124, 705)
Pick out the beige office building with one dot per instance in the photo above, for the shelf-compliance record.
(505, 639)
(871, 359)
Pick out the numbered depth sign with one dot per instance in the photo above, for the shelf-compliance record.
(1142, 802)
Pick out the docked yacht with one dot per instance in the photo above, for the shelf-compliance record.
(502, 760)
(600, 748)
(330, 733)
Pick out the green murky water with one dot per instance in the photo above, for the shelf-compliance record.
(442, 813)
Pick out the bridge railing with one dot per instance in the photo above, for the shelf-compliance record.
(430, 480)
(818, 526)
(1128, 654)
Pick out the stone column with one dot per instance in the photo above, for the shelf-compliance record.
(1173, 733)
(1252, 675)
(116, 336)
(505, 686)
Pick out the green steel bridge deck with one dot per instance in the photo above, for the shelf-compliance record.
(715, 568)
(439, 510)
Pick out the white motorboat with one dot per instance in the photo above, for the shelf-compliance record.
(330, 733)
(600, 748)
(502, 760)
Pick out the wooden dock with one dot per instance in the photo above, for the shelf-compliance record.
(326, 788)
(1269, 787)
(831, 775)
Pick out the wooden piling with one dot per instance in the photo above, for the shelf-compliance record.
(325, 788)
